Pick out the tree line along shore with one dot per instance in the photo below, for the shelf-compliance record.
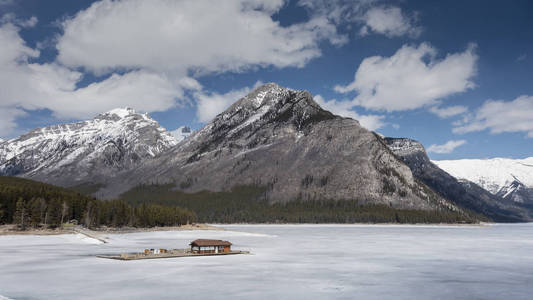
(31, 204)
(35, 205)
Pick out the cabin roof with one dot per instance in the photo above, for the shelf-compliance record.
(207, 243)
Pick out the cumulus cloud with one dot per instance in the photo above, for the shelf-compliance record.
(448, 147)
(31, 86)
(389, 21)
(412, 78)
(8, 118)
(189, 35)
(449, 111)
(345, 109)
(501, 116)
(209, 105)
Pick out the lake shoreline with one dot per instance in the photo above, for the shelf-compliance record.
(11, 230)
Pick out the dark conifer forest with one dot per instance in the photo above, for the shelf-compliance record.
(245, 204)
(32, 204)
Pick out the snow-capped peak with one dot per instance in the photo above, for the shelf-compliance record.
(491, 174)
(122, 112)
(119, 138)
(118, 114)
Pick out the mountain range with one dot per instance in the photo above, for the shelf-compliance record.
(85, 152)
(275, 138)
(510, 179)
(467, 194)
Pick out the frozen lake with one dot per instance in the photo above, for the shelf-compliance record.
(289, 262)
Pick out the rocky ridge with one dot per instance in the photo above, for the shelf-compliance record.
(462, 192)
(85, 152)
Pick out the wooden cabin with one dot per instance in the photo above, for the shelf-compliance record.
(202, 246)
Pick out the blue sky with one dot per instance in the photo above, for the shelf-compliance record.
(455, 75)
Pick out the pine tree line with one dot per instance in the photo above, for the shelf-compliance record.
(34, 204)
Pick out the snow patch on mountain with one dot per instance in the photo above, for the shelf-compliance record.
(496, 175)
(181, 133)
(404, 146)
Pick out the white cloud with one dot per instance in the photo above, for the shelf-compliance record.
(448, 147)
(8, 118)
(501, 116)
(209, 105)
(144, 91)
(189, 35)
(390, 21)
(412, 78)
(449, 111)
(30, 86)
(12, 19)
(345, 109)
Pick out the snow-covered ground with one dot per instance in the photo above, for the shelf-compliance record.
(289, 262)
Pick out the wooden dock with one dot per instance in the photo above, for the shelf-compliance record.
(170, 254)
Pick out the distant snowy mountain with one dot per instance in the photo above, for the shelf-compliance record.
(86, 151)
(181, 133)
(511, 179)
(462, 191)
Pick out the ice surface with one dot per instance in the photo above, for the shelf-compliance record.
(288, 262)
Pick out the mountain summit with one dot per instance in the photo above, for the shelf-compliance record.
(283, 141)
(86, 151)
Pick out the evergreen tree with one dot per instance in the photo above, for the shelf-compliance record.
(21, 214)
(35, 212)
(54, 213)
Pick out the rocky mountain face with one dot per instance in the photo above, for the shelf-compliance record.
(462, 192)
(85, 152)
(511, 179)
(282, 140)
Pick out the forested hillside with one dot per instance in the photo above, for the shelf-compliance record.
(246, 204)
(34, 204)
